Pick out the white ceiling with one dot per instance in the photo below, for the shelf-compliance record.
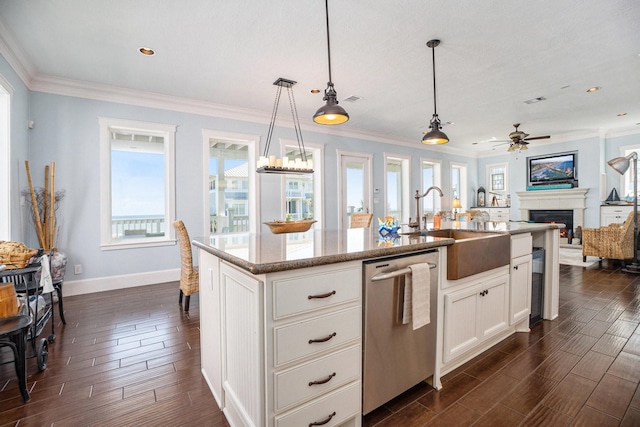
(494, 55)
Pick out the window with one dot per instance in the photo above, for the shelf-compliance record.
(431, 176)
(627, 179)
(397, 191)
(459, 184)
(303, 193)
(5, 160)
(231, 202)
(137, 183)
(497, 183)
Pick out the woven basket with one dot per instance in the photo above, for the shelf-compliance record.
(15, 254)
(279, 227)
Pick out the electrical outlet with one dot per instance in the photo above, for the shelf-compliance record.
(77, 269)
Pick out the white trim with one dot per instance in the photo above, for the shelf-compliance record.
(110, 283)
(15, 56)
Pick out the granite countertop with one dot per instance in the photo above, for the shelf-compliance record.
(267, 253)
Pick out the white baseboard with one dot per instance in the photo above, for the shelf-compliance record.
(101, 284)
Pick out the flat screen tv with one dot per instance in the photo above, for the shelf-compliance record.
(552, 169)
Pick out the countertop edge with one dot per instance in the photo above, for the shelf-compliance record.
(322, 260)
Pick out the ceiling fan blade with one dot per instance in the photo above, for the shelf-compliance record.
(537, 137)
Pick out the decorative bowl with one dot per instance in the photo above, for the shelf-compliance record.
(279, 227)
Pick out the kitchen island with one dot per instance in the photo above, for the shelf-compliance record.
(281, 316)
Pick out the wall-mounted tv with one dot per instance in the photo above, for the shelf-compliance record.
(561, 168)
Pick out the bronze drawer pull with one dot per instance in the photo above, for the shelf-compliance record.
(323, 422)
(322, 381)
(327, 295)
(323, 339)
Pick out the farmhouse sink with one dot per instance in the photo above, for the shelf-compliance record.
(473, 251)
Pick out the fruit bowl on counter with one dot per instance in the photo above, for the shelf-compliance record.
(299, 226)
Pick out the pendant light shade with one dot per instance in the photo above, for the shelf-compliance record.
(435, 135)
(330, 113)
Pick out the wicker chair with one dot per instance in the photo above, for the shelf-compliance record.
(189, 278)
(360, 220)
(613, 241)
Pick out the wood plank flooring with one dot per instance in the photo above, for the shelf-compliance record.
(131, 358)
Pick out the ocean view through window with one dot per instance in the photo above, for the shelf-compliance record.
(138, 182)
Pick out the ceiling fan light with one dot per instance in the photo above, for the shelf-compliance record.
(512, 147)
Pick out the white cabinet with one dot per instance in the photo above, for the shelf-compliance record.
(284, 348)
(475, 314)
(496, 213)
(614, 214)
(520, 280)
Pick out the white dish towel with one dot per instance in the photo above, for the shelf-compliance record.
(417, 296)
(45, 278)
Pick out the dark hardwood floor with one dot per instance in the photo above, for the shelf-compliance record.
(131, 358)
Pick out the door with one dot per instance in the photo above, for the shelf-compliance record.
(354, 186)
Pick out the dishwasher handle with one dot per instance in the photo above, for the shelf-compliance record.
(395, 273)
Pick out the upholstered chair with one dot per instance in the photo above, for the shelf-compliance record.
(189, 278)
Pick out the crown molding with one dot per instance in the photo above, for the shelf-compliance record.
(15, 56)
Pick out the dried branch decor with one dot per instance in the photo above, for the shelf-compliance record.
(44, 204)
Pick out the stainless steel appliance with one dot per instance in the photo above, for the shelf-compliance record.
(395, 357)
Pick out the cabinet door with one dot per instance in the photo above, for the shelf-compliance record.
(614, 214)
(460, 322)
(520, 292)
(494, 307)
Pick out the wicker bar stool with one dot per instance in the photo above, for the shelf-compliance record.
(189, 277)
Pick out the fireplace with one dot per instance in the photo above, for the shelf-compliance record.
(550, 216)
(573, 200)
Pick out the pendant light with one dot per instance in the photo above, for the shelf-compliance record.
(435, 135)
(271, 164)
(330, 113)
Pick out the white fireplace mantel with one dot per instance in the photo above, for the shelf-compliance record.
(561, 199)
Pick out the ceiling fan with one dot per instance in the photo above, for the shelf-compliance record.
(520, 139)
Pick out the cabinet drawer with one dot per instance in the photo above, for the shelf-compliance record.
(521, 244)
(302, 339)
(310, 292)
(296, 385)
(335, 407)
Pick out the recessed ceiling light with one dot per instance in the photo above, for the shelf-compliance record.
(594, 89)
(315, 91)
(622, 114)
(147, 51)
(534, 100)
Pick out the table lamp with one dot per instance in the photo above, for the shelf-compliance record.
(455, 204)
(621, 165)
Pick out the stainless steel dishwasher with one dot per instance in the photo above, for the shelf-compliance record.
(395, 357)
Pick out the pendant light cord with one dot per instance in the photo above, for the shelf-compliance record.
(433, 63)
(326, 8)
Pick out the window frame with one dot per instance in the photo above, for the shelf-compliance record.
(107, 125)
(626, 180)
(405, 192)
(317, 151)
(253, 182)
(463, 196)
(437, 181)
